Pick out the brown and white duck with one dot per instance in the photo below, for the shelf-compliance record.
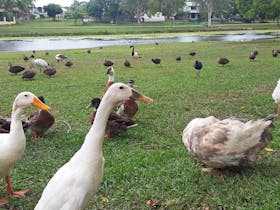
(229, 142)
(115, 124)
(40, 121)
(111, 78)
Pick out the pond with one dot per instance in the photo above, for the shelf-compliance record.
(78, 43)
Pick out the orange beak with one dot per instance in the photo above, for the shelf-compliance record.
(36, 102)
(140, 97)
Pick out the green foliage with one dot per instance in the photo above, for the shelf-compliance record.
(52, 10)
(150, 160)
(168, 7)
(134, 8)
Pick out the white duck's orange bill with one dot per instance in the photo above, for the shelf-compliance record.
(36, 102)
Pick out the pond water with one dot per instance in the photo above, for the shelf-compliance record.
(76, 43)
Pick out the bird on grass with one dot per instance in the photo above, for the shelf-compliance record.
(29, 74)
(89, 51)
(115, 123)
(156, 60)
(51, 71)
(60, 57)
(226, 143)
(276, 97)
(192, 53)
(25, 58)
(40, 63)
(255, 51)
(198, 66)
(274, 53)
(12, 144)
(223, 61)
(108, 63)
(134, 54)
(252, 56)
(40, 121)
(127, 63)
(5, 125)
(15, 69)
(77, 181)
(129, 107)
(111, 78)
(69, 64)
(178, 58)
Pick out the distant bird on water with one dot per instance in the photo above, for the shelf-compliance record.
(223, 61)
(198, 66)
(15, 69)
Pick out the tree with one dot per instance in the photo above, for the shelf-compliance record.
(78, 10)
(275, 10)
(168, 7)
(134, 8)
(52, 10)
(244, 8)
(96, 8)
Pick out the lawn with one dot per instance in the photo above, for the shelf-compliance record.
(150, 160)
(46, 27)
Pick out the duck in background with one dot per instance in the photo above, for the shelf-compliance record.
(111, 78)
(12, 144)
(40, 121)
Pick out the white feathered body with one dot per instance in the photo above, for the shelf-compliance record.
(222, 143)
(276, 93)
(74, 184)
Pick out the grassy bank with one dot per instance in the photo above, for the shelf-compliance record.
(150, 161)
(47, 27)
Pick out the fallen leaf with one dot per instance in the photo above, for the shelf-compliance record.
(152, 202)
(187, 109)
(104, 199)
(268, 149)
(242, 107)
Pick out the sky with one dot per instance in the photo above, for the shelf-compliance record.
(63, 3)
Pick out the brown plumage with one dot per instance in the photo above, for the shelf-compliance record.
(229, 142)
(108, 63)
(50, 71)
(129, 107)
(274, 53)
(127, 63)
(6, 122)
(178, 58)
(29, 74)
(111, 78)
(15, 69)
(252, 56)
(40, 121)
(115, 123)
(69, 63)
(223, 61)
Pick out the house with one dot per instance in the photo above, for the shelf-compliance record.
(192, 9)
(157, 17)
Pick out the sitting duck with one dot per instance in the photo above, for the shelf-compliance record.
(12, 144)
(229, 142)
(77, 181)
(40, 121)
(115, 124)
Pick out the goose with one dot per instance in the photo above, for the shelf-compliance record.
(69, 64)
(276, 97)
(50, 71)
(12, 144)
(134, 54)
(40, 121)
(60, 57)
(115, 124)
(229, 142)
(127, 63)
(76, 182)
(40, 63)
(15, 69)
(156, 60)
(111, 78)
(178, 58)
(129, 107)
(108, 63)
(198, 66)
(223, 61)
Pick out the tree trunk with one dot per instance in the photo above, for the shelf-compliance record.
(209, 12)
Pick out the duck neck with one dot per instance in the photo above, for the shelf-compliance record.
(94, 139)
(16, 124)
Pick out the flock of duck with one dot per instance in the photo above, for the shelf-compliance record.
(216, 143)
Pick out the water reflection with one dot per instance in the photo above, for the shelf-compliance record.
(56, 44)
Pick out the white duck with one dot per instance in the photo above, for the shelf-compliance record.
(229, 142)
(12, 145)
(41, 63)
(77, 181)
(276, 97)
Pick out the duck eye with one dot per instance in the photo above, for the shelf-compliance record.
(25, 95)
(121, 87)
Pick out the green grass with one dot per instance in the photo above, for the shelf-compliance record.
(37, 28)
(150, 160)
